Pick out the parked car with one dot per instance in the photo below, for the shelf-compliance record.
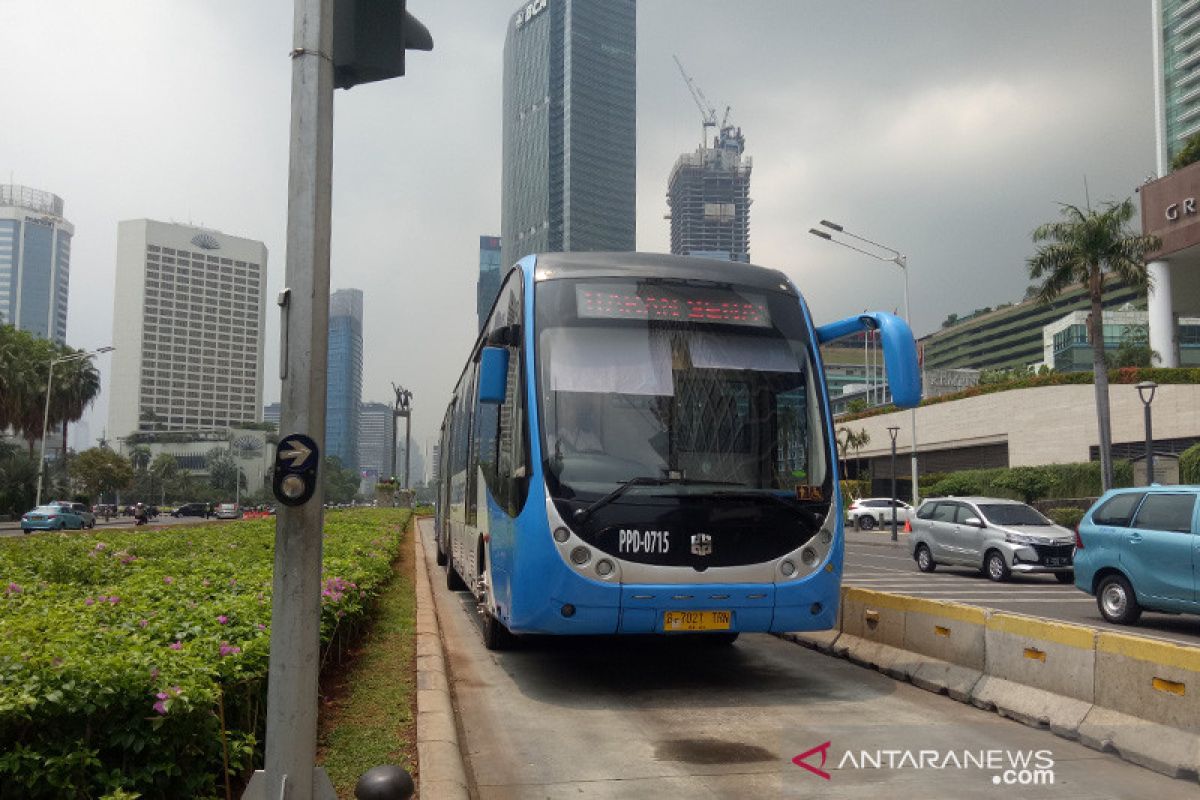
(1136, 549)
(868, 512)
(85, 513)
(51, 518)
(228, 511)
(191, 510)
(992, 534)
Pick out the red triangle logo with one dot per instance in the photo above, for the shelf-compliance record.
(823, 749)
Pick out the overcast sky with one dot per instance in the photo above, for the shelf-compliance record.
(947, 130)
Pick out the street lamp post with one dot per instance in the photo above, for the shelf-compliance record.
(1146, 393)
(892, 431)
(46, 414)
(900, 260)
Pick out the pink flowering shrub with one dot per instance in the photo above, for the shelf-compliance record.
(140, 644)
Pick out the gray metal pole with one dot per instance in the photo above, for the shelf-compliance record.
(291, 741)
(893, 432)
(395, 416)
(407, 444)
(1149, 448)
(45, 423)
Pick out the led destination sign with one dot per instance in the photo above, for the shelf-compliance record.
(607, 301)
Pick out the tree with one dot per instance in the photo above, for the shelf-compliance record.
(100, 471)
(25, 363)
(139, 457)
(1087, 247)
(1030, 483)
(341, 484)
(223, 472)
(1188, 155)
(163, 470)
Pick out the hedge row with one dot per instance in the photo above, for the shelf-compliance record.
(1030, 483)
(136, 662)
(1189, 465)
(1121, 376)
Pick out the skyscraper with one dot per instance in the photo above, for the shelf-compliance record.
(35, 262)
(489, 276)
(343, 389)
(1178, 50)
(569, 129)
(709, 196)
(376, 432)
(187, 328)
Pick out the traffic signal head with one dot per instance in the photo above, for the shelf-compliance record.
(369, 40)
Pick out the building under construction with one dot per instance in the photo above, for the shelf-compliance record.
(709, 190)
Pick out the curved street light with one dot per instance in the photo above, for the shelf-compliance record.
(46, 415)
(900, 260)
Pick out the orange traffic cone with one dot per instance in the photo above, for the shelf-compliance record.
(908, 526)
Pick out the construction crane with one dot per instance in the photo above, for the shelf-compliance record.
(708, 114)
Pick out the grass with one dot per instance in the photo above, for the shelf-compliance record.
(368, 703)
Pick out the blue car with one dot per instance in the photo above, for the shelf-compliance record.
(1139, 549)
(51, 518)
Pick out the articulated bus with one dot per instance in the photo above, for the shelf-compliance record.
(642, 444)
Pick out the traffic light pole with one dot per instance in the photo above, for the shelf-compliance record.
(291, 742)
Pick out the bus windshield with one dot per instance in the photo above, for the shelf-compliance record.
(693, 389)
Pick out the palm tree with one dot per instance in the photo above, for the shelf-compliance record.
(1088, 247)
(75, 387)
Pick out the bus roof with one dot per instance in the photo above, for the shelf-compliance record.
(619, 265)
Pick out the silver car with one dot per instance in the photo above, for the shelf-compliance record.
(994, 535)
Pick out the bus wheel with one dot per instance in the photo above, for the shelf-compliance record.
(453, 581)
(495, 635)
(442, 558)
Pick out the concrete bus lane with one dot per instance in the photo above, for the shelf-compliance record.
(667, 718)
(886, 567)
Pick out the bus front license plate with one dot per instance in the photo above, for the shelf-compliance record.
(697, 621)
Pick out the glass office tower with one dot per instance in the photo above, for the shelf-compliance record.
(570, 149)
(35, 262)
(343, 390)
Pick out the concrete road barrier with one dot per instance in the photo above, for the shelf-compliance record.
(1038, 672)
(952, 636)
(1130, 695)
(1147, 703)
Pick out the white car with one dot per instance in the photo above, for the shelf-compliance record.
(228, 511)
(868, 513)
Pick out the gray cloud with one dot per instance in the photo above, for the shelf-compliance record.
(946, 129)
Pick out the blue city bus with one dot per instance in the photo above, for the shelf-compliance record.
(642, 444)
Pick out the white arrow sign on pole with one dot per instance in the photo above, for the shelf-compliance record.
(298, 453)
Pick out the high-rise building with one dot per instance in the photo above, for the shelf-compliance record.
(489, 277)
(569, 131)
(709, 196)
(1168, 206)
(1179, 71)
(187, 328)
(35, 262)
(273, 412)
(343, 388)
(376, 432)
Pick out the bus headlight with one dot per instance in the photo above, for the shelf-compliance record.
(808, 556)
(580, 556)
(561, 535)
(787, 568)
(604, 567)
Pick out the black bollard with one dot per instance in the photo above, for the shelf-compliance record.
(387, 782)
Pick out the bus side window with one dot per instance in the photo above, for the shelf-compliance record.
(504, 462)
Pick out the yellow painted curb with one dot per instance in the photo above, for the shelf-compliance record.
(1063, 633)
(1150, 650)
(900, 602)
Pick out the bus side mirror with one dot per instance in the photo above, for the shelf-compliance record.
(899, 351)
(493, 375)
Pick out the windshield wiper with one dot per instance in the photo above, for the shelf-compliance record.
(582, 514)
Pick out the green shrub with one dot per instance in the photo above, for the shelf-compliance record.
(1189, 465)
(134, 661)
(1068, 517)
(1032, 483)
